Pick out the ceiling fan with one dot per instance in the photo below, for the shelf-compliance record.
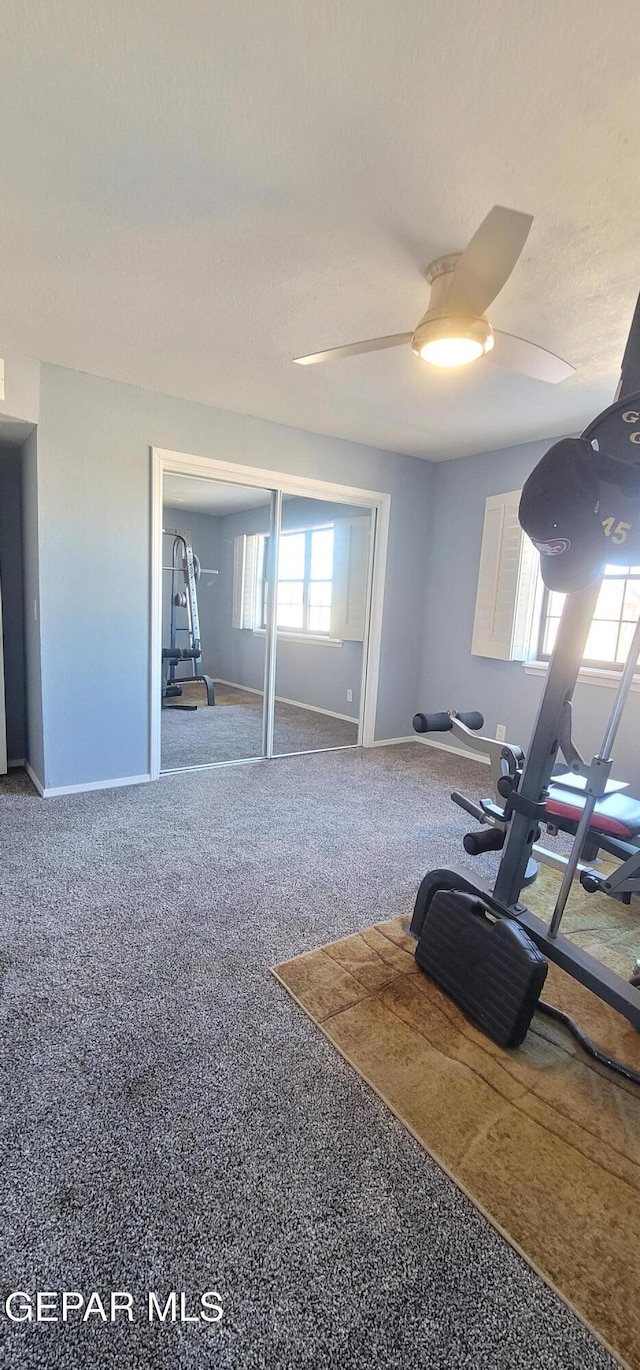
(454, 329)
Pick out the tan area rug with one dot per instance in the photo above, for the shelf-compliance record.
(543, 1140)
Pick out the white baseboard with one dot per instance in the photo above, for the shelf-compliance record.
(250, 689)
(313, 708)
(52, 791)
(122, 780)
(296, 704)
(428, 742)
(457, 751)
(15, 763)
(33, 777)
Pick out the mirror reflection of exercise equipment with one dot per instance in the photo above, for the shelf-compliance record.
(265, 605)
(185, 566)
(217, 668)
(321, 617)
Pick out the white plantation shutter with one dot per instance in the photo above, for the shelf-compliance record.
(350, 572)
(506, 583)
(245, 579)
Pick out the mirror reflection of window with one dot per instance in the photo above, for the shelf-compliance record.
(320, 581)
(321, 611)
(291, 580)
(305, 580)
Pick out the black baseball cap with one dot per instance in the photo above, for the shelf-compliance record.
(559, 509)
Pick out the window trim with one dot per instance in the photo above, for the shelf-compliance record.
(293, 635)
(587, 675)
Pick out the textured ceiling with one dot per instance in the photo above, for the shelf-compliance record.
(194, 193)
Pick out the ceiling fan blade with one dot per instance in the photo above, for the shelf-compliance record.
(518, 355)
(489, 259)
(354, 349)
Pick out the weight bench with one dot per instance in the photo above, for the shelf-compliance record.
(616, 815)
(614, 828)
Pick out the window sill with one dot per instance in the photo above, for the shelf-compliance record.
(588, 675)
(316, 639)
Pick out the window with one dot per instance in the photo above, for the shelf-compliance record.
(517, 618)
(305, 581)
(613, 624)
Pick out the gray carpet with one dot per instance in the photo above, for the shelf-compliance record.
(171, 1120)
(232, 730)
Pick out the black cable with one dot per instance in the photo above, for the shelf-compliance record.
(587, 1045)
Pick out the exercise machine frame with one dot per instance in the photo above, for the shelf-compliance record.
(526, 805)
(506, 762)
(174, 655)
(527, 812)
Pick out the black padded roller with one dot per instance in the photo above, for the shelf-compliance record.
(442, 722)
(431, 723)
(473, 720)
(488, 839)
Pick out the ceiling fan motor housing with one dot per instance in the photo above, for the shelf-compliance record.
(440, 321)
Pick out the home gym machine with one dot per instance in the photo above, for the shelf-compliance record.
(184, 566)
(615, 822)
(481, 943)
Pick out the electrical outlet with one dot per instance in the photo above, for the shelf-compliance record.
(501, 732)
(349, 696)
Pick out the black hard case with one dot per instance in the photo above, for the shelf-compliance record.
(491, 969)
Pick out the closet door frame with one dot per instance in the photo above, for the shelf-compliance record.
(281, 483)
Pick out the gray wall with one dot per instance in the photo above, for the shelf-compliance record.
(239, 653)
(94, 513)
(451, 677)
(11, 581)
(32, 606)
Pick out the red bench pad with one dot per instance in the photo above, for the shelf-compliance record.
(617, 814)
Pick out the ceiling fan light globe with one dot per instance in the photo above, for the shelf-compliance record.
(452, 342)
(451, 351)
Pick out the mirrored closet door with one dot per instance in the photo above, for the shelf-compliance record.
(321, 617)
(214, 544)
(265, 608)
